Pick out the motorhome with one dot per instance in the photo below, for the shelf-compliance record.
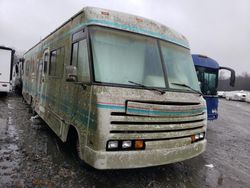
(123, 87)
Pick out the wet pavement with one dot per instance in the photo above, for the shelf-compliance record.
(32, 156)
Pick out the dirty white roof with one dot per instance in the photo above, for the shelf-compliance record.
(124, 21)
(119, 20)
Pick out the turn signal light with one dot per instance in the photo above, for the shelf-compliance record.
(197, 137)
(139, 144)
(193, 138)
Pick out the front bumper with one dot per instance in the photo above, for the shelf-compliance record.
(212, 116)
(145, 158)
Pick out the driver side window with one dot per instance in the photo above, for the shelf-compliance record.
(79, 56)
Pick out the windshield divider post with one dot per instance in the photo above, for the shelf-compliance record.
(163, 66)
(90, 54)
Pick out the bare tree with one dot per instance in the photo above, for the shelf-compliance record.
(242, 82)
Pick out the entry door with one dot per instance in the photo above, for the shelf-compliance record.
(39, 80)
(78, 92)
(43, 64)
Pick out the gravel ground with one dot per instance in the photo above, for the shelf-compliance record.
(32, 156)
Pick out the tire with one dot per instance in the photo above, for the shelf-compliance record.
(77, 149)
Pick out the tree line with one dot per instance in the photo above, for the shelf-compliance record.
(242, 82)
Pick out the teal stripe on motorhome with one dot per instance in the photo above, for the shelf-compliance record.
(149, 112)
(80, 115)
(138, 30)
(153, 112)
(119, 26)
(112, 107)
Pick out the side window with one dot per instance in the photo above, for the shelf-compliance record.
(32, 66)
(83, 61)
(52, 65)
(45, 62)
(74, 54)
(56, 62)
(79, 56)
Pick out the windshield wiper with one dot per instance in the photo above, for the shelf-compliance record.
(148, 88)
(184, 85)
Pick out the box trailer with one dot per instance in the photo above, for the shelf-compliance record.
(6, 61)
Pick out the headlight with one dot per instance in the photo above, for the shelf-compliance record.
(201, 135)
(197, 137)
(112, 144)
(126, 144)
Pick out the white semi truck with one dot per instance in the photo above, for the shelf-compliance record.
(6, 61)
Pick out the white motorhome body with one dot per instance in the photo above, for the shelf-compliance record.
(6, 58)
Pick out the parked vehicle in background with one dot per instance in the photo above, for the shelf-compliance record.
(122, 88)
(220, 94)
(248, 96)
(236, 95)
(6, 62)
(240, 96)
(207, 71)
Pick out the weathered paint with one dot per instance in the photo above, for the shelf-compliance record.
(101, 113)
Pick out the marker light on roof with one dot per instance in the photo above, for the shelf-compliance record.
(105, 13)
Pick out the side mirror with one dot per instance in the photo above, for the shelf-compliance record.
(232, 77)
(71, 72)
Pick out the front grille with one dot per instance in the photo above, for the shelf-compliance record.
(157, 121)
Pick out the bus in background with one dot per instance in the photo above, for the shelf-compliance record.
(123, 89)
(207, 71)
(6, 63)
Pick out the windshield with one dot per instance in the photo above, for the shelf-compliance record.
(120, 57)
(179, 66)
(125, 58)
(208, 79)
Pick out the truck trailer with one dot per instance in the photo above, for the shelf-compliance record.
(6, 61)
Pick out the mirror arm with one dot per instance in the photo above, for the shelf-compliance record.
(71, 78)
(84, 86)
(232, 77)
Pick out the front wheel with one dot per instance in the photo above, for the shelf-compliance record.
(78, 149)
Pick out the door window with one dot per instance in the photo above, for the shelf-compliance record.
(79, 56)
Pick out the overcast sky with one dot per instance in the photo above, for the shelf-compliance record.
(219, 29)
